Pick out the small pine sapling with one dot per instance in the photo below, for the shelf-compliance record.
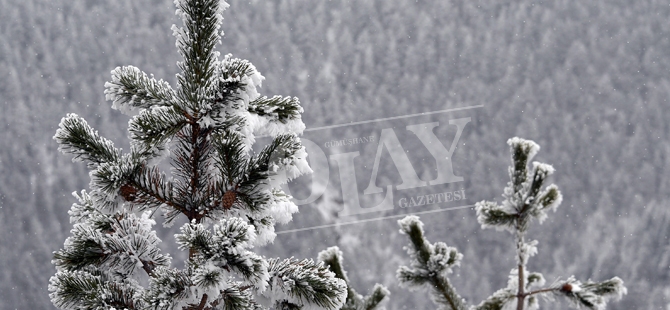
(228, 196)
(332, 257)
(525, 200)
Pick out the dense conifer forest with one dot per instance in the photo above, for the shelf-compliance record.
(589, 81)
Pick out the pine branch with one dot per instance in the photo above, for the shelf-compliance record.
(196, 41)
(235, 77)
(521, 295)
(590, 295)
(378, 296)
(153, 128)
(277, 108)
(168, 288)
(76, 137)
(131, 89)
(523, 152)
(197, 170)
(430, 265)
(148, 188)
(235, 296)
(107, 180)
(253, 179)
(525, 200)
(203, 302)
(85, 210)
(84, 248)
(125, 241)
(191, 165)
(332, 258)
(305, 283)
(490, 215)
(230, 160)
(226, 247)
(495, 302)
(131, 242)
(91, 290)
(278, 115)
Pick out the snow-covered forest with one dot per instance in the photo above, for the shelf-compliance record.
(588, 81)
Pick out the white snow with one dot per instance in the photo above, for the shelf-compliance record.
(530, 146)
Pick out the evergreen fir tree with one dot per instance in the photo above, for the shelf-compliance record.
(525, 200)
(228, 194)
(332, 257)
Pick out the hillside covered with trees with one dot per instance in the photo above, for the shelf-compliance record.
(588, 81)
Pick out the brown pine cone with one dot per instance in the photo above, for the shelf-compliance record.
(566, 287)
(229, 198)
(128, 192)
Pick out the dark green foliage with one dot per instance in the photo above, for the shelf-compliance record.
(154, 189)
(280, 108)
(302, 282)
(79, 139)
(196, 45)
(155, 126)
(226, 246)
(237, 297)
(496, 217)
(93, 291)
(85, 251)
(173, 281)
(132, 87)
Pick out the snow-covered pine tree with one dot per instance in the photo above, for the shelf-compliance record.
(228, 195)
(525, 200)
(332, 257)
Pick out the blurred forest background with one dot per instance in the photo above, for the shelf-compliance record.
(587, 80)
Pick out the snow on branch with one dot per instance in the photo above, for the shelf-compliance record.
(305, 284)
(276, 115)
(524, 200)
(196, 41)
(524, 197)
(430, 263)
(131, 89)
(225, 248)
(76, 137)
(153, 128)
(332, 257)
